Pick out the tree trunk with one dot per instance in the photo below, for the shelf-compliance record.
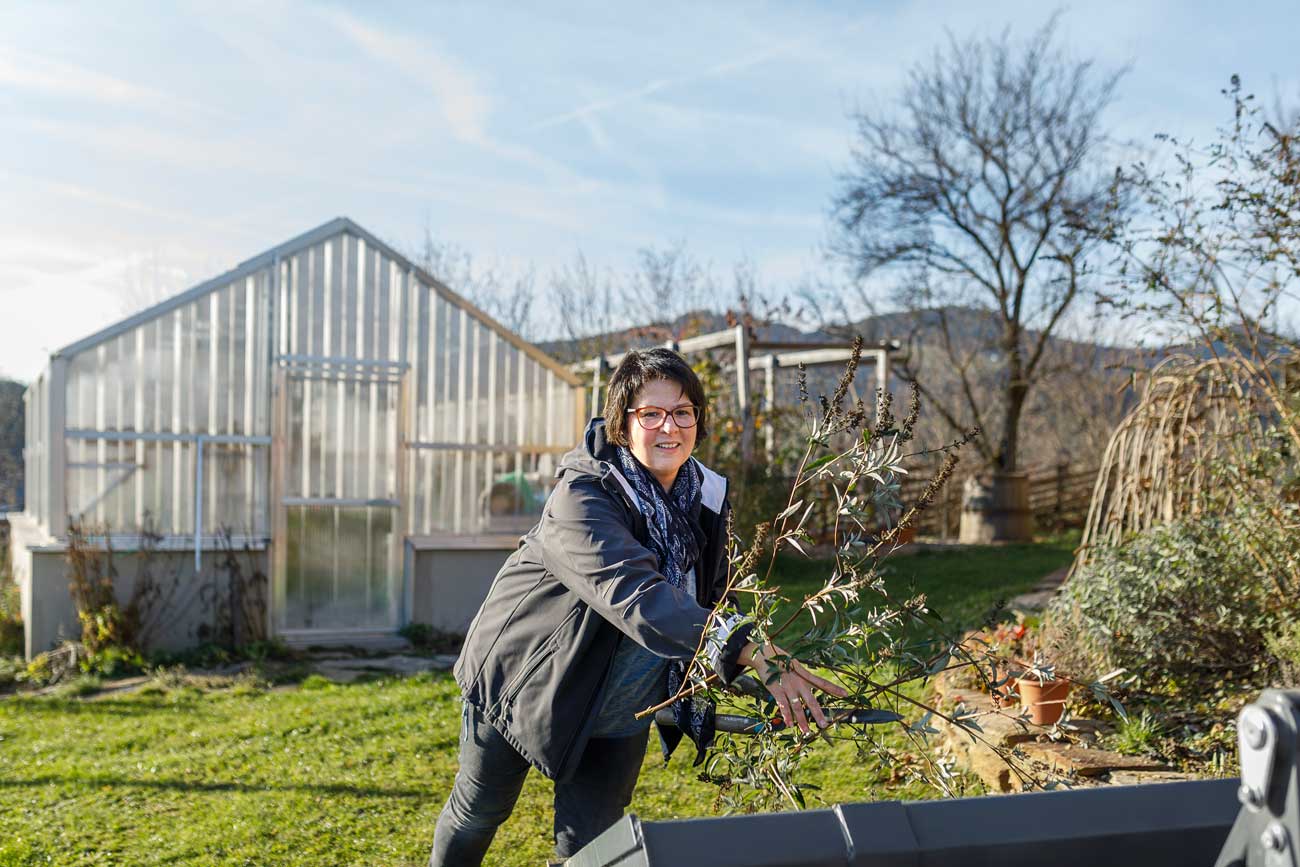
(1007, 459)
(1000, 511)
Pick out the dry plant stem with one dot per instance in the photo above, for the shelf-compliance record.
(922, 749)
(780, 784)
(771, 762)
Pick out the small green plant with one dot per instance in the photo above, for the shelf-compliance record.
(212, 655)
(248, 683)
(1283, 646)
(55, 666)
(168, 678)
(11, 616)
(316, 681)
(112, 661)
(429, 638)
(81, 686)
(1137, 735)
(13, 671)
(267, 649)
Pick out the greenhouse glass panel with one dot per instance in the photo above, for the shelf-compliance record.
(342, 571)
(235, 483)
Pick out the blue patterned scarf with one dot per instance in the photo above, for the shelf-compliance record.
(673, 539)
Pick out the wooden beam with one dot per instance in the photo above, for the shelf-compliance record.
(741, 336)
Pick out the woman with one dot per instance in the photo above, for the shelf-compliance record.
(595, 615)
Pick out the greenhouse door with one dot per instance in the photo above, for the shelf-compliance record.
(339, 521)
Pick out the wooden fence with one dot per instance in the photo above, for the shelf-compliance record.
(1058, 497)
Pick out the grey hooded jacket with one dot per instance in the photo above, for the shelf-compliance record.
(537, 656)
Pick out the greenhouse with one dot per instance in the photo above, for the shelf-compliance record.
(376, 438)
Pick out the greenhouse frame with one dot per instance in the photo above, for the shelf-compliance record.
(328, 403)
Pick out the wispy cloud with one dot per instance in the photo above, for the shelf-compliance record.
(718, 70)
(32, 72)
(110, 202)
(462, 100)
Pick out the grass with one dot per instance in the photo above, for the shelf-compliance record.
(353, 774)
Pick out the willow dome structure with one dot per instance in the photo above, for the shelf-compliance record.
(327, 403)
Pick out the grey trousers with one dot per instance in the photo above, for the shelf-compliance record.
(491, 775)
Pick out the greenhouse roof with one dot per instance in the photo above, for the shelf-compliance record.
(337, 226)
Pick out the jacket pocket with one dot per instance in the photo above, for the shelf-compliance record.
(538, 658)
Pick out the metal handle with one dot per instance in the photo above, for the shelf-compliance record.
(747, 725)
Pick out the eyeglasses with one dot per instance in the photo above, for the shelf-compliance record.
(653, 417)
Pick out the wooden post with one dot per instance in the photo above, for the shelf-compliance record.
(882, 370)
(1062, 467)
(769, 407)
(56, 446)
(596, 376)
(742, 394)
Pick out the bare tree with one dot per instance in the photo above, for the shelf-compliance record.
(670, 291)
(589, 309)
(983, 197)
(508, 298)
(148, 281)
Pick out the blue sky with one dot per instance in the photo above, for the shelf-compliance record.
(145, 147)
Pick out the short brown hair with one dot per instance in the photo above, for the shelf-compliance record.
(638, 369)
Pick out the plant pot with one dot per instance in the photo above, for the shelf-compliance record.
(1045, 701)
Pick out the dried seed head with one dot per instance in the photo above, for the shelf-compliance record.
(884, 412)
(913, 411)
(746, 564)
(857, 417)
(936, 483)
(850, 370)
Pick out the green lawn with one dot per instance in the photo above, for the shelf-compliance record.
(345, 774)
(961, 583)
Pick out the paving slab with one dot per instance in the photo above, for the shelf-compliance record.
(1066, 758)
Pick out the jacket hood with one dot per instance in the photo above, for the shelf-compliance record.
(596, 456)
(593, 454)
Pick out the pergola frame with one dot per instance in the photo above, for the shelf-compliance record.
(751, 354)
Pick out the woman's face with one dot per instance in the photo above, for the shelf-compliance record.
(661, 451)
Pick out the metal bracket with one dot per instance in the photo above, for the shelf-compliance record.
(1268, 824)
(1257, 742)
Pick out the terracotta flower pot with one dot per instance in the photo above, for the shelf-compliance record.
(1045, 701)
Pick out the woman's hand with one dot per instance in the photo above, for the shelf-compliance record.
(793, 690)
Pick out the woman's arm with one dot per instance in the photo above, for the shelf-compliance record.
(588, 547)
